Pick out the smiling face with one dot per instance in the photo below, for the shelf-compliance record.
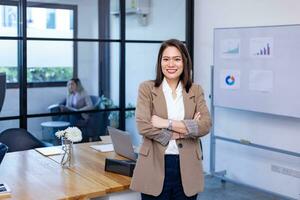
(172, 63)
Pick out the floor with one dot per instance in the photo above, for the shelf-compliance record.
(215, 190)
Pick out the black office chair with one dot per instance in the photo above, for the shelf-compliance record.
(93, 127)
(18, 139)
(3, 150)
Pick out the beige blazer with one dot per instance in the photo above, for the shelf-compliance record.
(148, 175)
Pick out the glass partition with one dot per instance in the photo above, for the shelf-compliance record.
(8, 124)
(50, 21)
(71, 38)
(140, 63)
(155, 19)
(9, 66)
(45, 63)
(9, 19)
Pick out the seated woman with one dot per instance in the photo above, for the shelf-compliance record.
(77, 100)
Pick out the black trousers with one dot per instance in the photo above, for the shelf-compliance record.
(172, 188)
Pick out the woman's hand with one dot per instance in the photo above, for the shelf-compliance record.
(178, 127)
(63, 108)
(159, 122)
(175, 136)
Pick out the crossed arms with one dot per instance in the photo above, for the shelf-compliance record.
(155, 127)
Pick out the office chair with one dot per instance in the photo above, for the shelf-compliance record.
(3, 150)
(93, 127)
(18, 139)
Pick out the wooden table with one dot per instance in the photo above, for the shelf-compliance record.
(31, 176)
(90, 163)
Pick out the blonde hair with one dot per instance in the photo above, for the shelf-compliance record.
(78, 84)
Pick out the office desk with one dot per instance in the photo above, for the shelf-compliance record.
(90, 163)
(32, 176)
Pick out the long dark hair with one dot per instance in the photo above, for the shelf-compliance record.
(185, 77)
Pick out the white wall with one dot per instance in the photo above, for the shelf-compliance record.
(245, 164)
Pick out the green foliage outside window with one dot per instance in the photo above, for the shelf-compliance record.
(11, 74)
(39, 74)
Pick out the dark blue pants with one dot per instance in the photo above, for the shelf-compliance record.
(172, 189)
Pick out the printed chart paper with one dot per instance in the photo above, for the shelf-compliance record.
(230, 79)
(261, 47)
(230, 48)
(261, 80)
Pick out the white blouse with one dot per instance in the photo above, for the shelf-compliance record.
(175, 108)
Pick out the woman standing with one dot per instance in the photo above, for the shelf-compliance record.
(171, 115)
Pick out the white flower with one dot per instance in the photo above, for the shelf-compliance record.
(71, 133)
(59, 134)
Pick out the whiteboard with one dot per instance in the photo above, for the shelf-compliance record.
(258, 69)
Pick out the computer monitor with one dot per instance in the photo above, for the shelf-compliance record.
(2, 88)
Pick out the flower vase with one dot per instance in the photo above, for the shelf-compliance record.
(67, 147)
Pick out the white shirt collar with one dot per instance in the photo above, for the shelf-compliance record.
(166, 87)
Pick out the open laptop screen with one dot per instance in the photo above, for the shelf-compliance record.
(122, 143)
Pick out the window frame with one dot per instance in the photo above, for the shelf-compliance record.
(18, 38)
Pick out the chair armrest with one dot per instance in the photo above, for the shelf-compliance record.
(3, 150)
(54, 108)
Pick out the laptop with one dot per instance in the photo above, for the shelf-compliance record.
(121, 141)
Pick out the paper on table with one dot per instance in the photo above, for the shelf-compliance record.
(4, 191)
(103, 147)
(50, 151)
(105, 139)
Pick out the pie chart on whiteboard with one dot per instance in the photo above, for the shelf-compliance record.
(230, 80)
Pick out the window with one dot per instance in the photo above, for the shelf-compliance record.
(71, 21)
(51, 19)
(8, 20)
(150, 16)
(44, 61)
(29, 18)
(48, 22)
(9, 59)
(10, 16)
(85, 39)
